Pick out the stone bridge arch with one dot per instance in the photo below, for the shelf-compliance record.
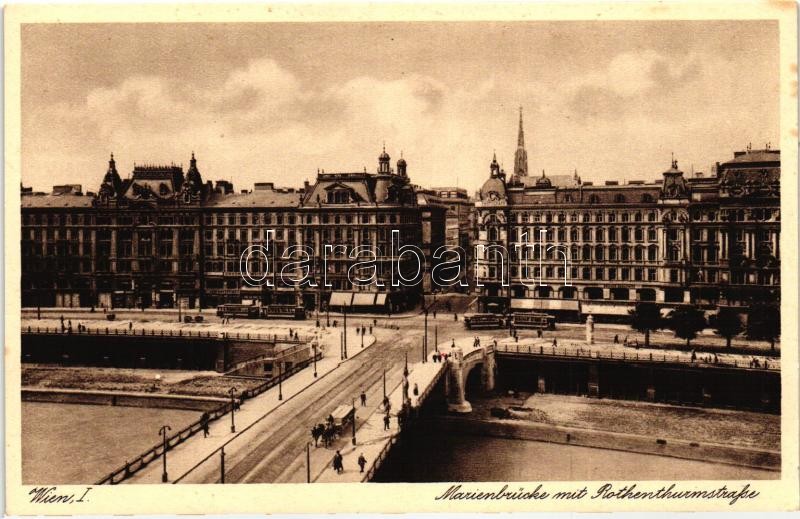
(460, 365)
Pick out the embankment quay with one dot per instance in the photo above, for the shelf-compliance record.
(160, 345)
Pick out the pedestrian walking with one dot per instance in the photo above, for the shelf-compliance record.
(204, 424)
(130, 325)
(453, 344)
(625, 341)
(539, 334)
(455, 317)
(363, 399)
(386, 422)
(616, 339)
(434, 314)
(362, 461)
(555, 342)
(370, 329)
(416, 389)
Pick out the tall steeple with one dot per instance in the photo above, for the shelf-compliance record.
(521, 156)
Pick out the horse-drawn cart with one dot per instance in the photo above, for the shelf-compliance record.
(343, 416)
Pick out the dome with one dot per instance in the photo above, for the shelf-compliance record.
(384, 157)
(401, 162)
(494, 189)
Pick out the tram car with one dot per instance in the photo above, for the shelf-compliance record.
(236, 310)
(483, 321)
(283, 312)
(533, 320)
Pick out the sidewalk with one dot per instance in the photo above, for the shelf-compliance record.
(570, 347)
(188, 454)
(372, 440)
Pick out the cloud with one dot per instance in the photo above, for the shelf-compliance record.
(633, 81)
(261, 121)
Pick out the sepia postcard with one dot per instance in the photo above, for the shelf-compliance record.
(401, 258)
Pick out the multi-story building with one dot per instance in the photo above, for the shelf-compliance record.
(574, 248)
(459, 230)
(162, 238)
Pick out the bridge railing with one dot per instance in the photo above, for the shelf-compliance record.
(131, 467)
(169, 333)
(577, 352)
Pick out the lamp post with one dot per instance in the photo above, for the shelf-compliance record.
(328, 315)
(315, 359)
(384, 382)
(354, 421)
(436, 338)
(232, 392)
(280, 381)
(163, 433)
(344, 310)
(308, 462)
(179, 309)
(425, 339)
(405, 368)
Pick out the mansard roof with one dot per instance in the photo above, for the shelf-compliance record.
(56, 201)
(267, 198)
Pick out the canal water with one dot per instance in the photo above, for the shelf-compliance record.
(74, 443)
(427, 457)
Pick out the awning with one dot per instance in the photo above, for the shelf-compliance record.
(380, 299)
(363, 299)
(544, 304)
(340, 299)
(594, 308)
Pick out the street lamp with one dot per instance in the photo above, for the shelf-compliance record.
(405, 368)
(308, 462)
(354, 421)
(384, 382)
(315, 359)
(328, 315)
(280, 381)
(232, 392)
(179, 309)
(163, 433)
(425, 340)
(344, 309)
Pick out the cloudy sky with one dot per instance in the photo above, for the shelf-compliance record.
(274, 102)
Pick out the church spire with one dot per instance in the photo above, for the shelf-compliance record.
(521, 156)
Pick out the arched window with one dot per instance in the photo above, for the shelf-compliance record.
(493, 233)
(652, 253)
(587, 253)
(638, 254)
(647, 198)
(573, 253)
(619, 198)
(626, 253)
(594, 199)
(598, 253)
(612, 253)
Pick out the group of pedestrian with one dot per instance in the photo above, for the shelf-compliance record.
(338, 462)
(755, 363)
(439, 356)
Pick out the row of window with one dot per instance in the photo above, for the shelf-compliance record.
(600, 217)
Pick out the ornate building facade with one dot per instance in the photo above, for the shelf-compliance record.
(575, 248)
(162, 238)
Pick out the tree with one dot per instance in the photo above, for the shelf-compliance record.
(686, 321)
(728, 324)
(764, 323)
(646, 317)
